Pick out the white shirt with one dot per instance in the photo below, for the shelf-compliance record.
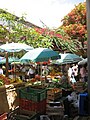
(75, 70)
(1, 71)
(70, 72)
(31, 71)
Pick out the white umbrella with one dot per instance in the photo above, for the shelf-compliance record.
(13, 47)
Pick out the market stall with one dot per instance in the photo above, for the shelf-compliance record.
(13, 47)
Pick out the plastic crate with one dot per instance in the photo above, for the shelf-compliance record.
(19, 114)
(38, 107)
(32, 94)
(83, 104)
(3, 116)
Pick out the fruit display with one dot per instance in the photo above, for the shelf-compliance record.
(1, 82)
(54, 90)
(6, 81)
(15, 80)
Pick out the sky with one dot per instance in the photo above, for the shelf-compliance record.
(49, 12)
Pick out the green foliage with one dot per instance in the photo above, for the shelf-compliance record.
(69, 36)
(19, 32)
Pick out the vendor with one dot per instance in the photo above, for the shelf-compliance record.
(1, 70)
(31, 72)
(4, 69)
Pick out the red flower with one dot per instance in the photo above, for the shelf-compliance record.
(58, 35)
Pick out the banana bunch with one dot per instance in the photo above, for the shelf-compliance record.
(15, 80)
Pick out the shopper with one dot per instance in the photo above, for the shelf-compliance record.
(83, 73)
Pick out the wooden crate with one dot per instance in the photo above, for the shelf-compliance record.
(53, 94)
(20, 114)
(55, 110)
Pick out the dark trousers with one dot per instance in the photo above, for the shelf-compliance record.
(32, 75)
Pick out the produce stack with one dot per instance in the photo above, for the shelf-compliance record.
(32, 99)
(54, 107)
(6, 81)
(32, 104)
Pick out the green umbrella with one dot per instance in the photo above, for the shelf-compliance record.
(68, 58)
(40, 55)
(10, 60)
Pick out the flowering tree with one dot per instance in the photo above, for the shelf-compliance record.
(74, 24)
(77, 15)
(59, 40)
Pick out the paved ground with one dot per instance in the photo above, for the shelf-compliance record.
(76, 118)
(82, 118)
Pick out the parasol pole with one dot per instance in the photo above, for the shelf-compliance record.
(42, 82)
(14, 75)
(41, 71)
(88, 47)
(6, 64)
